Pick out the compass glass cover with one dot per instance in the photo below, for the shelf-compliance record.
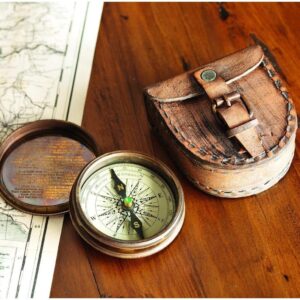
(42, 170)
(133, 195)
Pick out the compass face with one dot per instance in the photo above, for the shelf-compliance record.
(139, 197)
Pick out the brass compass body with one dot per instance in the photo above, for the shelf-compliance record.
(127, 204)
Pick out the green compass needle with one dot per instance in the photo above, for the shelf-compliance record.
(128, 202)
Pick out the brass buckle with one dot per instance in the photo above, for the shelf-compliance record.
(227, 100)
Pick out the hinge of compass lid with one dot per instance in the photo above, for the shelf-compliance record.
(232, 110)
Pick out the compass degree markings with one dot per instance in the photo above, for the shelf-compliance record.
(149, 199)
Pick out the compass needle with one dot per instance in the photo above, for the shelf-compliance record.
(136, 224)
(118, 185)
(128, 202)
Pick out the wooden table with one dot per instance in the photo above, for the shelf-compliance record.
(228, 248)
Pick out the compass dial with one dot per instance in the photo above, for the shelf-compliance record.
(127, 201)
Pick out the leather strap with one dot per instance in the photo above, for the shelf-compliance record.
(230, 108)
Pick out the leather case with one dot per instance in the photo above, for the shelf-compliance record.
(230, 125)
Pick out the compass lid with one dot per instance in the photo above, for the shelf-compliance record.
(39, 163)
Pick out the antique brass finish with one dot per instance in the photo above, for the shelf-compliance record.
(39, 164)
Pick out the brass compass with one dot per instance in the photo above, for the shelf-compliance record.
(127, 204)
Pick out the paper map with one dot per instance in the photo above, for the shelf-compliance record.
(46, 53)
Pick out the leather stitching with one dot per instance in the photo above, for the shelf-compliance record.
(245, 192)
(271, 73)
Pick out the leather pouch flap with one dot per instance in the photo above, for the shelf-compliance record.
(230, 68)
(258, 129)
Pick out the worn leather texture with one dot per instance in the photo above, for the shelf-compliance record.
(229, 106)
(180, 109)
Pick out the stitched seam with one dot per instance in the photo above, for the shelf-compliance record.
(163, 128)
(245, 192)
(271, 73)
(289, 105)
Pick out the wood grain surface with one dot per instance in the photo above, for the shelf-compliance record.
(228, 248)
